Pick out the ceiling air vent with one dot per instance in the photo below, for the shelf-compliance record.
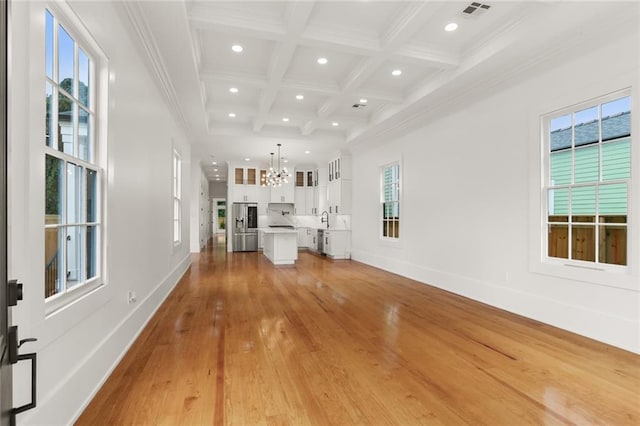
(359, 105)
(475, 9)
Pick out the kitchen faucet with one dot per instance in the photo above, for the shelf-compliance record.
(323, 219)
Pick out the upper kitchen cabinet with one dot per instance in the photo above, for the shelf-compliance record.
(340, 168)
(304, 192)
(311, 191)
(284, 193)
(339, 196)
(246, 185)
(245, 176)
(339, 186)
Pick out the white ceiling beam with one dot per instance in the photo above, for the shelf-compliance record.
(296, 16)
(258, 81)
(230, 76)
(408, 22)
(380, 95)
(340, 39)
(311, 86)
(215, 17)
(422, 54)
(316, 35)
(241, 110)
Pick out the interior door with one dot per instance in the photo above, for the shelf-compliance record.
(6, 379)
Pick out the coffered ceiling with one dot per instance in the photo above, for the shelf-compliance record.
(388, 65)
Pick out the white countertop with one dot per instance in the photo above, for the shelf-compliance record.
(278, 231)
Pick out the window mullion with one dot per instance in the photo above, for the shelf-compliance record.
(64, 227)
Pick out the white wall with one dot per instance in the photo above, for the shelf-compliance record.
(79, 345)
(466, 191)
(200, 208)
(217, 190)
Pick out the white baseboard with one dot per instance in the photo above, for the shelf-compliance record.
(109, 352)
(601, 326)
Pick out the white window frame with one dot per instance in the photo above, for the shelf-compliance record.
(97, 157)
(382, 202)
(176, 199)
(615, 276)
(546, 119)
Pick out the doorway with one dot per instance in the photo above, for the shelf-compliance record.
(219, 212)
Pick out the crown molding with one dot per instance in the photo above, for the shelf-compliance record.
(153, 58)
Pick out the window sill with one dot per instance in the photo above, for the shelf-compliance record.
(602, 275)
(58, 303)
(391, 242)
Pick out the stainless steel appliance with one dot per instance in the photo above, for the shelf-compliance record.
(244, 220)
(321, 241)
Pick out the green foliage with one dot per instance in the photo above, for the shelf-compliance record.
(64, 103)
(52, 195)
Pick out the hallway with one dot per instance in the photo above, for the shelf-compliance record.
(241, 342)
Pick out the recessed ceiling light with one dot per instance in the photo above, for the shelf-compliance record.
(285, 119)
(247, 159)
(215, 170)
(232, 114)
(237, 48)
(218, 179)
(285, 161)
(452, 26)
(233, 90)
(307, 152)
(299, 97)
(396, 73)
(214, 163)
(335, 124)
(363, 101)
(217, 175)
(322, 61)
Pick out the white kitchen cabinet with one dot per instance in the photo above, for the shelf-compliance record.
(340, 168)
(245, 175)
(304, 201)
(309, 201)
(300, 201)
(312, 239)
(339, 185)
(319, 196)
(244, 186)
(302, 238)
(339, 196)
(284, 193)
(319, 200)
(304, 192)
(337, 243)
(280, 246)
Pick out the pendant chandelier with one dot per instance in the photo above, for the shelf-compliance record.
(276, 177)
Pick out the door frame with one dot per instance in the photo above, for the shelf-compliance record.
(6, 377)
(214, 213)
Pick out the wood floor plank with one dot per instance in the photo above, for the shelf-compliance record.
(240, 341)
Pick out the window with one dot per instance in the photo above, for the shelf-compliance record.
(73, 215)
(587, 181)
(390, 201)
(177, 201)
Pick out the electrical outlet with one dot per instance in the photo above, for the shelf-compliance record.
(132, 297)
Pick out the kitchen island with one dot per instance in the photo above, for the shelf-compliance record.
(280, 245)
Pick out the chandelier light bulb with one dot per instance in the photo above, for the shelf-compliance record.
(277, 176)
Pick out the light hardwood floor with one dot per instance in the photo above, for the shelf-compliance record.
(241, 342)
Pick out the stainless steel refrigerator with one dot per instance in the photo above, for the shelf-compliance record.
(244, 221)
